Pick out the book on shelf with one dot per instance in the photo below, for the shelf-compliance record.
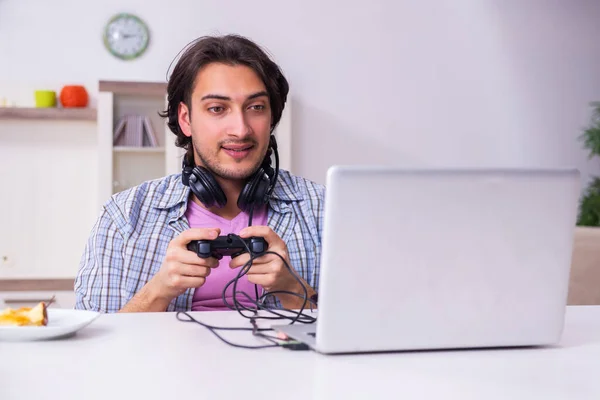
(134, 131)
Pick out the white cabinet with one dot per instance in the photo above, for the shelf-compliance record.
(48, 196)
(123, 166)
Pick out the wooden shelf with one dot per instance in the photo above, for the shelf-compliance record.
(134, 88)
(81, 114)
(13, 285)
(132, 149)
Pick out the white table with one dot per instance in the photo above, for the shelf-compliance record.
(154, 356)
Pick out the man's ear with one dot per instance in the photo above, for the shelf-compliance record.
(183, 117)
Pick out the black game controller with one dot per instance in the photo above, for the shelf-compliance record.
(227, 246)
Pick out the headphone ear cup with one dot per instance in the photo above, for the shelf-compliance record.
(206, 188)
(254, 191)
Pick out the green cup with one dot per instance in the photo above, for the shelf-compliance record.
(45, 98)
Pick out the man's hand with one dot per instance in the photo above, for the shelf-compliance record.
(269, 271)
(181, 269)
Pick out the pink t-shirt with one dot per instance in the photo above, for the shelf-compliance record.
(209, 297)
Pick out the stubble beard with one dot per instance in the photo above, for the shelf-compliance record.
(212, 165)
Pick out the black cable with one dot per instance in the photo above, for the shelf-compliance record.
(300, 316)
(250, 214)
(303, 317)
(276, 175)
(244, 270)
(213, 329)
(258, 302)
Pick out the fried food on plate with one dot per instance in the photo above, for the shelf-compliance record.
(25, 316)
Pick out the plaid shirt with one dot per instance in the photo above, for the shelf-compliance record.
(129, 240)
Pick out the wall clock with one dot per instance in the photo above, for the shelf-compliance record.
(126, 36)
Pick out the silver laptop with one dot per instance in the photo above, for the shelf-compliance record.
(442, 259)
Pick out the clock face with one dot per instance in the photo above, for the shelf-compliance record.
(126, 36)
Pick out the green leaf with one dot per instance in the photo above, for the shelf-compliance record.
(591, 135)
(589, 203)
(591, 140)
(589, 206)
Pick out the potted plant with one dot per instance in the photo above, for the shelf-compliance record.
(584, 283)
(589, 206)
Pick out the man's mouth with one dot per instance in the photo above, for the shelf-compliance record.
(238, 148)
(238, 151)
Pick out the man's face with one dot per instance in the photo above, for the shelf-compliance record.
(229, 120)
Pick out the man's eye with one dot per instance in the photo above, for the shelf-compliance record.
(216, 110)
(257, 107)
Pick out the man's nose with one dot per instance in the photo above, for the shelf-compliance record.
(239, 126)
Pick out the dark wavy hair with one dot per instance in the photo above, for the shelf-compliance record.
(230, 50)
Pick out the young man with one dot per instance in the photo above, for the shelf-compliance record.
(225, 97)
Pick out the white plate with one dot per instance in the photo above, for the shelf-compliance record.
(61, 323)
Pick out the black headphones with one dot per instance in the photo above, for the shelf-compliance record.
(255, 192)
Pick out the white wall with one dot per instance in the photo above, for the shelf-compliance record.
(470, 82)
